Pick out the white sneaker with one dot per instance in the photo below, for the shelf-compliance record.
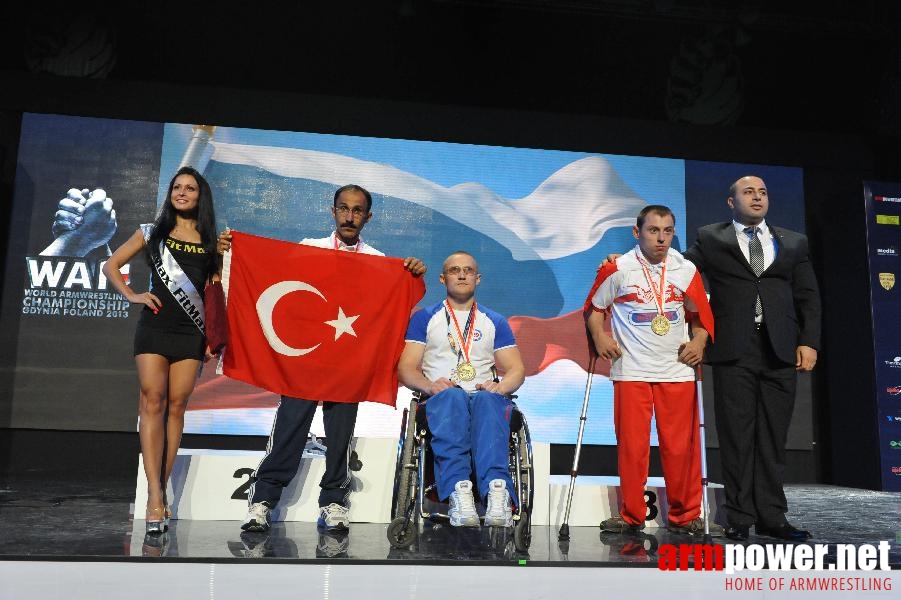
(256, 545)
(333, 518)
(257, 518)
(462, 511)
(333, 544)
(498, 512)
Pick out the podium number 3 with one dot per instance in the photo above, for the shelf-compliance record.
(651, 504)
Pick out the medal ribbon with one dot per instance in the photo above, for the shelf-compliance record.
(466, 336)
(658, 296)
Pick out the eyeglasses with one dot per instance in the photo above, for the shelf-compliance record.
(356, 211)
(455, 270)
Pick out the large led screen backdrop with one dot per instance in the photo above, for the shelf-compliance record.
(538, 221)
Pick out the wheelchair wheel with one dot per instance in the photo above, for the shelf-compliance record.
(524, 479)
(401, 532)
(522, 533)
(526, 467)
(404, 469)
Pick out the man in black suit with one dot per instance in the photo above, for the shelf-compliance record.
(766, 307)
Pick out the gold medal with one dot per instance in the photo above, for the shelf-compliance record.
(660, 325)
(466, 372)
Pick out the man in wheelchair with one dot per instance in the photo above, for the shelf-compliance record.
(452, 354)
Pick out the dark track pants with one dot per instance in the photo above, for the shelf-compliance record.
(285, 449)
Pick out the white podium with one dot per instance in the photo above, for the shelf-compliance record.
(211, 485)
(598, 498)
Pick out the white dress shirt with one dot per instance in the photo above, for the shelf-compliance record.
(766, 241)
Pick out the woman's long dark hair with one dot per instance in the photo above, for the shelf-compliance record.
(206, 220)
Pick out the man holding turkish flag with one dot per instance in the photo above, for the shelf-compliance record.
(323, 320)
(298, 321)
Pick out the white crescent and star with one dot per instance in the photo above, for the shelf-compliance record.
(270, 297)
(343, 324)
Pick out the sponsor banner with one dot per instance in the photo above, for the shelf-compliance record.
(884, 241)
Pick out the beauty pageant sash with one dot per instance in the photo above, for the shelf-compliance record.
(177, 282)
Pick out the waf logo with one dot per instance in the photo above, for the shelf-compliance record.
(887, 280)
(894, 391)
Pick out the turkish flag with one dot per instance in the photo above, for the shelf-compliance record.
(316, 323)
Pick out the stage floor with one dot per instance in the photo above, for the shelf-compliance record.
(58, 518)
(70, 537)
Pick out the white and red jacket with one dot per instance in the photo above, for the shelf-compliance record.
(622, 289)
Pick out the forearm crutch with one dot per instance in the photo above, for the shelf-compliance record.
(564, 529)
(705, 506)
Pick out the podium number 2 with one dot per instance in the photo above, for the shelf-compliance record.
(241, 492)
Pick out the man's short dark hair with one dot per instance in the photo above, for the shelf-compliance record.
(464, 253)
(351, 187)
(733, 189)
(657, 209)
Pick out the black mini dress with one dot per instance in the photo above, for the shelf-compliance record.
(170, 332)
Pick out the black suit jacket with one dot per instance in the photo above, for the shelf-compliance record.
(788, 291)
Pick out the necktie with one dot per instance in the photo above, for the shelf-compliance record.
(755, 250)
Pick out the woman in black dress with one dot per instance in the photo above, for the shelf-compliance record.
(180, 247)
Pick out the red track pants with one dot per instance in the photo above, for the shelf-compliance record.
(676, 408)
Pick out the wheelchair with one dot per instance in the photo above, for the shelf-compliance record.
(415, 489)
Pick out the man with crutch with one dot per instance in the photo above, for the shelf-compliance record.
(660, 324)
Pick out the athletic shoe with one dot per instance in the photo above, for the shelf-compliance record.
(619, 525)
(638, 546)
(332, 544)
(254, 544)
(695, 527)
(333, 518)
(257, 518)
(498, 512)
(462, 511)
